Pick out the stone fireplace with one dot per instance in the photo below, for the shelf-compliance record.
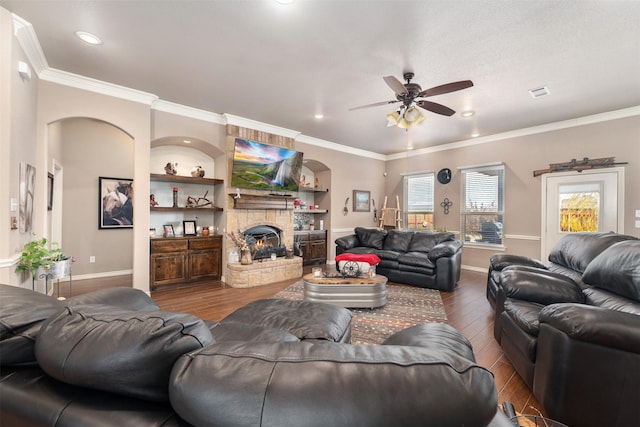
(271, 225)
(265, 240)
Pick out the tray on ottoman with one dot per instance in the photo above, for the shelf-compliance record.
(353, 292)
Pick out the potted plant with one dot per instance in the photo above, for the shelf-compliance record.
(41, 260)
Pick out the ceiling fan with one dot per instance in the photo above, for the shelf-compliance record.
(408, 93)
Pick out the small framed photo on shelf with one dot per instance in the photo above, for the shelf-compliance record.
(168, 231)
(189, 228)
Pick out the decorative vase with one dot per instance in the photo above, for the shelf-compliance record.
(175, 197)
(56, 270)
(245, 257)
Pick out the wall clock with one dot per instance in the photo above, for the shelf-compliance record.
(444, 176)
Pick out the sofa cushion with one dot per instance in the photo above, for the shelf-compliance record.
(22, 312)
(424, 241)
(390, 255)
(524, 314)
(419, 259)
(361, 250)
(303, 384)
(436, 336)
(617, 269)
(606, 299)
(121, 297)
(577, 250)
(371, 237)
(120, 351)
(502, 261)
(235, 331)
(398, 240)
(304, 319)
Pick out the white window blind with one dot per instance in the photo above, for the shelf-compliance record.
(483, 204)
(418, 209)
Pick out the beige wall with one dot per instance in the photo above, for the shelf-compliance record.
(17, 143)
(92, 149)
(522, 155)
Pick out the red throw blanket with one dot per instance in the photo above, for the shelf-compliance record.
(371, 259)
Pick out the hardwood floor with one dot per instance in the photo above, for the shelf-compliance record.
(467, 310)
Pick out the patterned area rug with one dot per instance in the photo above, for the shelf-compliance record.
(406, 306)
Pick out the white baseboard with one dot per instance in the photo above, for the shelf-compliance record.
(472, 268)
(98, 275)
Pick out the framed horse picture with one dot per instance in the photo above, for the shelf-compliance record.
(115, 203)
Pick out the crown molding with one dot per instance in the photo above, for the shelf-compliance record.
(98, 86)
(26, 35)
(339, 147)
(183, 110)
(580, 121)
(260, 126)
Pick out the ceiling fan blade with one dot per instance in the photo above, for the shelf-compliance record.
(435, 108)
(375, 104)
(395, 85)
(446, 88)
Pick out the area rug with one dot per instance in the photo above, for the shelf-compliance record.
(406, 306)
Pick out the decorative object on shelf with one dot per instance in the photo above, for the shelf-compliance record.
(168, 231)
(317, 271)
(301, 221)
(345, 210)
(444, 176)
(361, 201)
(152, 200)
(199, 202)
(197, 172)
(170, 168)
(240, 240)
(317, 183)
(189, 228)
(175, 197)
(580, 165)
(115, 201)
(152, 232)
(205, 231)
(446, 204)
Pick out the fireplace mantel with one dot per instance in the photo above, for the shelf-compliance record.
(270, 202)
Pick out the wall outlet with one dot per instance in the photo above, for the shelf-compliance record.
(92, 259)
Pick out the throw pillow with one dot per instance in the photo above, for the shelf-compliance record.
(617, 269)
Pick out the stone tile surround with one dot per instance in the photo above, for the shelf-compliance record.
(263, 272)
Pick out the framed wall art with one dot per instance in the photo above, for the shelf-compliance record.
(168, 231)
(361, 201)
(115, 203)
(27, 189)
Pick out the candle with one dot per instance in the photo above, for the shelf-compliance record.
(317, 271)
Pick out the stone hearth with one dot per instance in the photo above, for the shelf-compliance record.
(263, 272)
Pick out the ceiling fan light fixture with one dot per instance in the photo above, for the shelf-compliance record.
(468, 113)
(393, 118)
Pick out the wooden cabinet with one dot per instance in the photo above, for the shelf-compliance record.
(313, 244)
(176, 260)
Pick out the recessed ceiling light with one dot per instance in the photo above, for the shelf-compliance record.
(186, 141)
(475, 135)
(467, 113)
(285, 1)
(88, 37)
(319, 116)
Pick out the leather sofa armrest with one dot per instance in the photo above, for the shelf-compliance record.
(539, 286)
(444, 249)
(597, 325)
(499, 262)
(347, 242)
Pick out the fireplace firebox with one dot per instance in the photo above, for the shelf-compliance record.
(264, 240)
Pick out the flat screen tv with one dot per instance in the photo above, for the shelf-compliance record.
(265, 167)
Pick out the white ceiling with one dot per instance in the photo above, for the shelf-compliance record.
(281, 64)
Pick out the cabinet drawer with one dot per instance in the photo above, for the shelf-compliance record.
(159, 246)
(211, 243)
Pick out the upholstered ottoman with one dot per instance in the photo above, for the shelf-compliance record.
(306, 320)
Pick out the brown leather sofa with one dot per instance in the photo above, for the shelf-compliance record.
(571, 329)
(425, 259)
(113, 358)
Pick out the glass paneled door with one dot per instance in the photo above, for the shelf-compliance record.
(588, 201)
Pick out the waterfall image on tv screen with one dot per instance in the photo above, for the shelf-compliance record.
(265, 167)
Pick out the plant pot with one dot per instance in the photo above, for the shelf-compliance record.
(56, 270)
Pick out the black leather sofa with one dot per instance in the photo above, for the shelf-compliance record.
(571, 328)
(425, 259)
(113, 358)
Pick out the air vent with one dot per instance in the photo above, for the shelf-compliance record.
(539, 91)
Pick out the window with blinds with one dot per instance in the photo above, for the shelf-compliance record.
(482, 214)
(418, 196)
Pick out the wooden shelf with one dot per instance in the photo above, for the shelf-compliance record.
(253, 201)
(310, 211)
(312, 190)
(171, 208)
(185, 179)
